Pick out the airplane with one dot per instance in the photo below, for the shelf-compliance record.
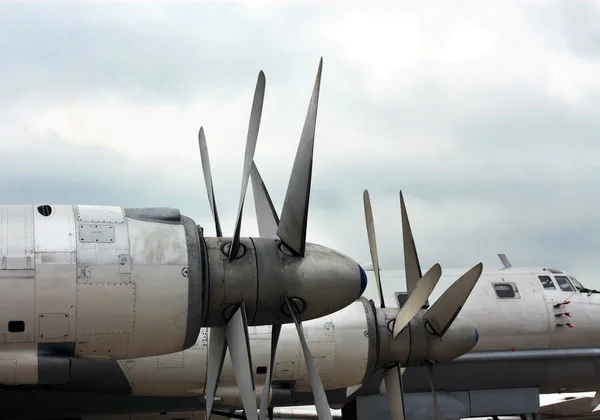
(355, 346)
(517, 313)
(110, 283)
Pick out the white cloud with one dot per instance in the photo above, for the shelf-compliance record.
(485, 114)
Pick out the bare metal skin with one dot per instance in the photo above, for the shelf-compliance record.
(343, 346)
(98, 282)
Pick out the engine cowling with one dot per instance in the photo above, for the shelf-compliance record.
(112, 282)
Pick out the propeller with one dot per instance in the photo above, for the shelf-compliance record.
(235, 334)
(291, 230)
(267, 224)
(437, 318)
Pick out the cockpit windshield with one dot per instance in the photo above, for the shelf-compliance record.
(580, 287)
(576, 283)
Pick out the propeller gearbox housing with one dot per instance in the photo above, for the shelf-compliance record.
(417, 344)
(264, 272)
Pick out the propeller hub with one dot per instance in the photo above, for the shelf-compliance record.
(322, 282)
(416, 345)
(460, 338)
(363, 279)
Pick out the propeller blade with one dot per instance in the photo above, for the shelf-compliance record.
(395, 392)
(321, 404)
(595, 401)
(253, 126)
(351, 390)
(294, 215)
(264, 400)
(416, 300)
(411, 259)
(373, 244)
(436, 407)
(445, 309)
(266, 215)
(217, 347)
(236, 333)
(208, 180)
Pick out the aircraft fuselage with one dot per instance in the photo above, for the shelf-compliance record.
(535, 329)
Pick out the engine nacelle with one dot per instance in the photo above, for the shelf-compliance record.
(97, 281)
(110, 282)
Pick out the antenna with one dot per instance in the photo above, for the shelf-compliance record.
(505, 261)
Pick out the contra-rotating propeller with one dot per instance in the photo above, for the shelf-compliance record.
(235, 334)
(268, 222)
(437, 319)
(291, 230)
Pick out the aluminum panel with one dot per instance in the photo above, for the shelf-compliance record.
(54, 325)
(55, 293)
(18, 296)
(96, 233)
(100, 214)
(98, 262)
(56, 232)
(105, 308)
(157, 243)
(17, 238)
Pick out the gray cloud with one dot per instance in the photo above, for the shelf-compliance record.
(579, 24)
(153, 52)
(492, 152)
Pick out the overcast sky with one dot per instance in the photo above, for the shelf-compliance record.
(486, 115)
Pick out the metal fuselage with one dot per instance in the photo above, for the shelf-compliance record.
(510, 308)
(524, 341)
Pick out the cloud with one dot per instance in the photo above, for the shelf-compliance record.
(486, 115)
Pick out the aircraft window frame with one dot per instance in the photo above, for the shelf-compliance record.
(576, 283)
(547, 286)
(516, 292)
(567, 282)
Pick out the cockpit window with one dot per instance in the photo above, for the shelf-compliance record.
(547, 282)
(576, 283)
(563, 283)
